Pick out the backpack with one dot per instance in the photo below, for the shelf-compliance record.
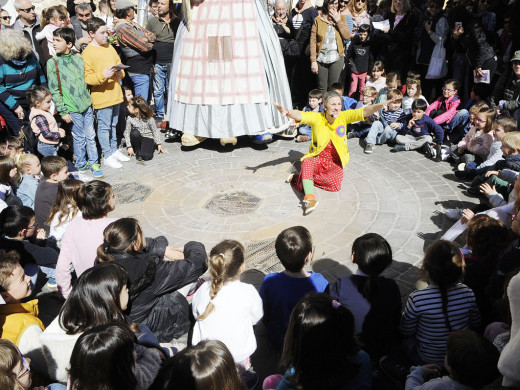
(30, 138)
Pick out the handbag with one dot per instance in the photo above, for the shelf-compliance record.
(292, 47)
(438, 67)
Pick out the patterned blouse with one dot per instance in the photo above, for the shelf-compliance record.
(146, 129)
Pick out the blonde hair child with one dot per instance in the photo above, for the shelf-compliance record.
(225, 308)
(29, 174)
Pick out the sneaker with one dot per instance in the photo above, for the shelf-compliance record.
(393, 370)
(399, 148)
(290, 178)
(96, 171)
(461, 167)
(454, 214)
(262, 139)
(120, 156)
(351, 135)
(438, 153)
(85, 168)
(302, 138)
(51, 283)
(289, 133)
(462, 174)
(369, 148)
(309, 205)
(112, 162)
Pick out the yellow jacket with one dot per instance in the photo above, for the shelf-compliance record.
(104, 92)
(16, 318)
(323, 132)
(318, 31)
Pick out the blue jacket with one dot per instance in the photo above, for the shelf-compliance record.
(424, 126)
(27, 190)
(348, 103)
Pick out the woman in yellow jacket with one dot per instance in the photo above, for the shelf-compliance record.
(326, 46)
(328, 153)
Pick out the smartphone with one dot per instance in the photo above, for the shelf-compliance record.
(121, 66)
(458, 25)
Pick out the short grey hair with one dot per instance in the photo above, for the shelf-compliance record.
(83, 7)
(17, 4)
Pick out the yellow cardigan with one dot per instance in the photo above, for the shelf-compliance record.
(318, 31)
(323, 132)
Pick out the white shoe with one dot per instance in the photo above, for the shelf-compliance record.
(454, 214)
(111, 161)
(120, 156)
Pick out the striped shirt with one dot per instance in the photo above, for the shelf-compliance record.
(424, 318)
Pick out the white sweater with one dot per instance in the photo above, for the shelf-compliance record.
(238, 307)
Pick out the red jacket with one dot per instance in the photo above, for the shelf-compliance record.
(451, 109)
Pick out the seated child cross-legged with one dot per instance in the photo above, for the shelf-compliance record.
(328, 153)
(281, 291)
(418, 132)
(444, 109)
(315, 99)
(388, 122)
(361, 128)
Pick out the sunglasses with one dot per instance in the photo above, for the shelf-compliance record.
(361, 1)
(516, 62)
(27, 10)
(26, 368)
(5, 17)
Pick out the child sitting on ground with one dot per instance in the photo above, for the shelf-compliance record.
(11, 147)
(315, 100)
(54, 169)
(471, 362)
(347, 102)
(388, 122)
(393, 82)
(8, 173)
(476, 144)
(43, 123)
(444, 108)
(141, 133)
(30, 168)
(418, 132)
(361, 128)
(281, 291)
(226, 309)
(445, 305)
(377, 77)
(328, 152)
(413, 91)
(374, 300)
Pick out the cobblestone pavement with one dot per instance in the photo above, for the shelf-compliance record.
(212, 193)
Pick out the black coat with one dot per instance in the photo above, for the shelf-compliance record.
(153, 285)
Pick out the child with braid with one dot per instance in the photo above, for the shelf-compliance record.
(225, 308)
(445, 305)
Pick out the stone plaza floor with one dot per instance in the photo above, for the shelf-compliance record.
(213, 193)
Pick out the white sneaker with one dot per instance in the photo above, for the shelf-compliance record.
(111, 161)
(461, 167)
(120, 156)
(454, 214)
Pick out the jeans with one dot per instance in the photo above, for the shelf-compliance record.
(460, 118)
(160, 86)
(107, 121)
(141, 85)
(84, 137)
(305, 130)
(380, 134)
(47, 149)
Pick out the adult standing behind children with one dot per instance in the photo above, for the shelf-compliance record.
(136, 44)
(328, 153)
(66, 74)
(164, 26)
(103, 75)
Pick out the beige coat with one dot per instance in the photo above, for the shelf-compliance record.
(318, 31)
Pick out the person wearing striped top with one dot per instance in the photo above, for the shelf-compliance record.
(445, 305)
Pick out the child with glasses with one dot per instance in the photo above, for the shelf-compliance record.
(444, 109)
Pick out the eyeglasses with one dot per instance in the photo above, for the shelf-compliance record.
(361, 1)
(448, 90)
(5, 17)
(478, 120)
(27, 369)
(27, 10)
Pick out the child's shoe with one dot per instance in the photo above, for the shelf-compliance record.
(112, 162)
(309, 203)
(430, 151)
(121, 157)
(96, 171)
(454, 214)
(262, 139)
(84, 169)
(351, 135)
(369, 148)
(399, 148)
(302, 138)
(51, 284)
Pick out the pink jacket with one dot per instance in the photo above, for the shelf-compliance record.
(78, 248)
(451, 109)
(477, 142)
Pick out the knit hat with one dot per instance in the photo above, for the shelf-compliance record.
(516, 57)
(124, 4)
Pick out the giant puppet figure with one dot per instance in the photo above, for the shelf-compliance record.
(227, 69)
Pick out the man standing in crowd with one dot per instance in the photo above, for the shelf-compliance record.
(79, 23)
(29, 22)
(164, 26)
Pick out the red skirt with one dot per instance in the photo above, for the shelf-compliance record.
(324, 170)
